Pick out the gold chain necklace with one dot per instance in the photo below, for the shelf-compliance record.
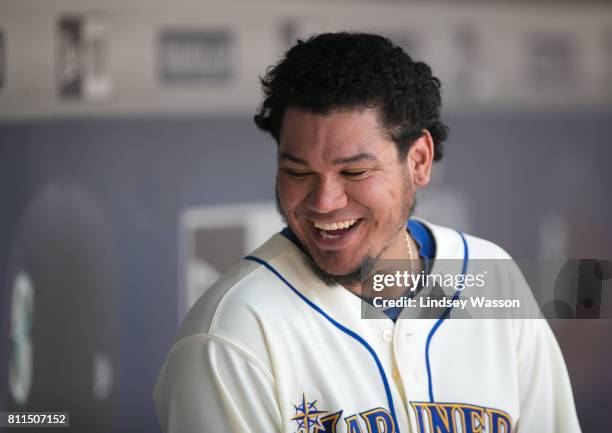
(410, 253)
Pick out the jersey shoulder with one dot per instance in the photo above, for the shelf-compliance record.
(449, 244)
(504, 278)
(243, 304)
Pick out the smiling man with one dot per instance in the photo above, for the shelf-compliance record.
(344, 191)
(279, 344)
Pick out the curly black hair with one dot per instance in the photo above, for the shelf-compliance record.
(350, 71)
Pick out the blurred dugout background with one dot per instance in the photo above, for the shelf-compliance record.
(131, 173)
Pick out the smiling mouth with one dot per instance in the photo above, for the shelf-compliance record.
(335, 230)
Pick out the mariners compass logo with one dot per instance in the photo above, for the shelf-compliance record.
(307, 416)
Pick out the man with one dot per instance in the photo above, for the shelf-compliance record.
(278, 344)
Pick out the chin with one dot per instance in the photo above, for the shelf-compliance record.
(345, 275)
(329, 262)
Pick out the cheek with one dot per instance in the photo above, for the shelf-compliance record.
(377, 194)
(289, 195)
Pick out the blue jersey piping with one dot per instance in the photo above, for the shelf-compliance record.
(442, 318)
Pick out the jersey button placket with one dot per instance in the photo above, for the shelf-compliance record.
(396, 373)
(404, 345)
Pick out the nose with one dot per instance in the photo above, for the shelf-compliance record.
(328, 194)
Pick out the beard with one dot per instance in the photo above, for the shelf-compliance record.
(364, 270)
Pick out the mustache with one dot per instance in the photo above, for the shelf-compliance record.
(333, 216)
(312, 215)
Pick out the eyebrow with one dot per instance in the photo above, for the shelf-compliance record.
(287, 156)
(356, 158)
(347, 160)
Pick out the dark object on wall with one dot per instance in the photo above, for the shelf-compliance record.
(69, 69)
(83, 57)
(63, 309)
(195, 56)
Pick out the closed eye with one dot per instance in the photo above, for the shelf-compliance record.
(296, 174)
(355, 174)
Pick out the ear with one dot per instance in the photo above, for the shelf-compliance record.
(420, 159)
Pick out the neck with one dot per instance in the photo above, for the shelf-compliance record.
(407, 258)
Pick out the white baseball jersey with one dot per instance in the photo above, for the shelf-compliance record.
(270, 348)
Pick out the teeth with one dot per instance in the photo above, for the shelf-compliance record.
(336, 225)
(328, 236)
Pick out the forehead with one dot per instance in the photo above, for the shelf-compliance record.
(337, 134)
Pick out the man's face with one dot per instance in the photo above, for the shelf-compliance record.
(342, 188)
